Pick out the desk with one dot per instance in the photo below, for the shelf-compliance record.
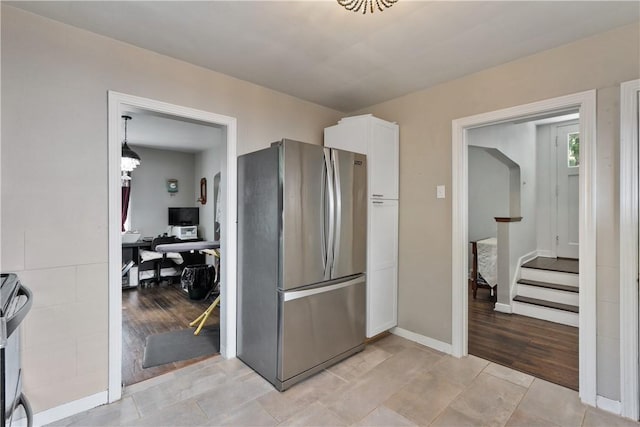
(131, 252)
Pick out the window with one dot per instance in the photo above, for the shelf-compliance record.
(573, 145)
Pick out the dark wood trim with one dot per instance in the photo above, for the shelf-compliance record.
(549, 304)
(563, 265)
(508, 218)
(547, 285)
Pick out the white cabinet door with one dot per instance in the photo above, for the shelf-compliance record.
(383, 234)
(382, 267)
(382, 300)
(383, 160)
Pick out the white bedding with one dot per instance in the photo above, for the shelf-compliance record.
(151, 255)
(487, 260)
(164, 272)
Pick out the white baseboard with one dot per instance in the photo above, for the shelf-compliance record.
(421, 339)
(503, 308)
(609, 405)
(66, 410)
(546, 253)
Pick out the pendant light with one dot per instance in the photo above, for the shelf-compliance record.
(366, 5)
(130, 159)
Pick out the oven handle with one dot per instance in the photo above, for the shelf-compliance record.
(14, 321)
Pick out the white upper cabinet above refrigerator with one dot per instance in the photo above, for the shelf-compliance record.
(376, 138)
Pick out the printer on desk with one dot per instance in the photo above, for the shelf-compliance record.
(185, 232)
(184, 222)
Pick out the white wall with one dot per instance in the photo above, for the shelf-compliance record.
(488, 193)
(518, 143)
(545, 196)
(150, 199)
(54, 189)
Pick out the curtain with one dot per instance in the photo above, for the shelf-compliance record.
(126, 193)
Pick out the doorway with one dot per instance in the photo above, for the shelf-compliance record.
(585, 103)
(166, 190)
(527, 320)
(118, 104)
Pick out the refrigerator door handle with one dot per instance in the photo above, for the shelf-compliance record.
(338, 203)
(293, 295)
(331, 202)
(323, 227)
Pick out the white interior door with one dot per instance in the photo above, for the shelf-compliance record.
(568, 190)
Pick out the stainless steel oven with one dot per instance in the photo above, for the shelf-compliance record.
(15, 303)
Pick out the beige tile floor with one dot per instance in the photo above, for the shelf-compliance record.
(394, 382)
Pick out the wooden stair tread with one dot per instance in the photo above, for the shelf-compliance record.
(548, 304)
(562, 265)
(549, 285)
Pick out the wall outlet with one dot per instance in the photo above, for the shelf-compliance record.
(440, 194)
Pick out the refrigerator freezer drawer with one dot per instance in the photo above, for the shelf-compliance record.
(319, 324)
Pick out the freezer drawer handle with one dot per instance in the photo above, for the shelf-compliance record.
(11, 324)
(377, 195)
(290, 296)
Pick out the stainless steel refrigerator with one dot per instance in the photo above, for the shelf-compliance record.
(302, 226)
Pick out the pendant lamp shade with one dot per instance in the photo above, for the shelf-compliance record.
(130, 159)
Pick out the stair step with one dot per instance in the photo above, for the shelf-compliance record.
(568, 318)
(549, 276)
(548, 304)
(564, 265)
(548, 285)
(571, 297)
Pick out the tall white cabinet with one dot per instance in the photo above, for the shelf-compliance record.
(378, 139)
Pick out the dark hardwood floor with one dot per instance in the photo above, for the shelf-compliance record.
(147, 311)
(543, 349)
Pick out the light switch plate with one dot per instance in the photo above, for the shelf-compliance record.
(440, 194)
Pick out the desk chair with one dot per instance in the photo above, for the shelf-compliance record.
(162, 262)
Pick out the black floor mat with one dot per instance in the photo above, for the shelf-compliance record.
(180, 345)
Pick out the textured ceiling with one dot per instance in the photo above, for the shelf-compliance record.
(316, 50)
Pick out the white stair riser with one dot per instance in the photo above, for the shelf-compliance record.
(548, 276)
(555, 295)
(545, 313)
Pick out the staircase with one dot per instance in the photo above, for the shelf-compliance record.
(548, 290)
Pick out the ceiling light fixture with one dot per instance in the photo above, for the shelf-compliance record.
(130, 159)
(366, 5)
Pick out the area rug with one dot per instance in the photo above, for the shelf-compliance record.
(175, 346)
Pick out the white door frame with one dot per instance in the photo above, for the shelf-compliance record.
(117, 105)
(629, 198)
(585, 102)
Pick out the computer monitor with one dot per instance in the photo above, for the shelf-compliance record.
(184, 216)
